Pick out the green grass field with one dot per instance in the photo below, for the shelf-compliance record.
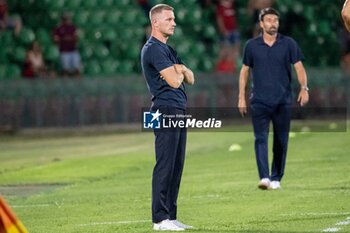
(102, 183)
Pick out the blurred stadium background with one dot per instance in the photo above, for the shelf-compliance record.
(112, 32)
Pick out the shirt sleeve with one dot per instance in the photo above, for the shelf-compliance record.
(248, 56)
(295, 52)
(159, 58)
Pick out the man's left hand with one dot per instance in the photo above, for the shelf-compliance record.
(303, 98)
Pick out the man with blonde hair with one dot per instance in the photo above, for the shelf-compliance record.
(166, 76)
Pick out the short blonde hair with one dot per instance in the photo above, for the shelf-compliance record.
(158, 9)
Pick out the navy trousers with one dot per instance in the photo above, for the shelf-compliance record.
(170, 147)
(280, 116)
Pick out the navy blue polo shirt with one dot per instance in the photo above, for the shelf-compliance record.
(155, 57)
(271, 68)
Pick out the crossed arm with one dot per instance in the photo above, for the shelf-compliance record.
(176, 74)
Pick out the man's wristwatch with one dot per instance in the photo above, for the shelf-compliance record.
(305, 88)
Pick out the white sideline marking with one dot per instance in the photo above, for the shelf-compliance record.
(335, 229)
(207, 196)
(211, 196)
(316, 214)
(343, 223)
(113, 223)
(331, 229)
(31, 206)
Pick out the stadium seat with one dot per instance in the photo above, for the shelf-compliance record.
(72, 5)
(123, 3)
(26, 36)
(96, 18)
(109, 34)
(53, 18)
(2, 71)
(157, 2)
(181, 15)
(324, 28)
(51, 53)
(184, 48)
(191, 61)
(106, 3)
(131, 50)
(194, 16)
(131, 17)
(178, 37)
(31, 22)
(209, 32)
(126, 35)
(139, 33)
(86, 51)
(80, 18)
(90, 4)
(189, 2)
(92, 68)
(174, 3)
(109, 66)
(6, 38)
(113, 17)
(94, 34)
(81, 34)
(55, 5)
(197, 49)
(100, 51)
(18, 55)
(9, 71)
(11, 4)
(3, 55)
(206, 64)
(43, 37)
(125, 67)
(13, 71)
(115, 50)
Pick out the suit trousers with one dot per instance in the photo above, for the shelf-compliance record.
(170, 147)
(280, 116)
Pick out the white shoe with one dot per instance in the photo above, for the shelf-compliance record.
(275, 185)
(264, 183)
(166, 225)
(180, 224)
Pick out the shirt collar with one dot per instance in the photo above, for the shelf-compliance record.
(156, 40)
(261, 40)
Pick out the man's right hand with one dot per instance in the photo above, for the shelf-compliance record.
(242, 106)
(179, 68)
(188, 74)
(172, 77)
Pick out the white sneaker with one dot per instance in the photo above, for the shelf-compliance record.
(275, 185)
(264, 183)
(166, 225)
(180, 224)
